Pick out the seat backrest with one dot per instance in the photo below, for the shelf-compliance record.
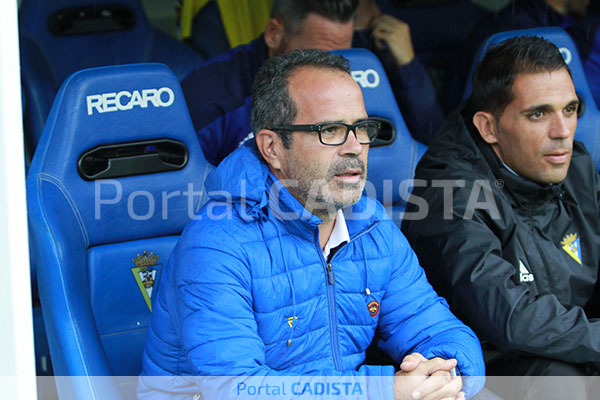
(60, 37)
(393, 159)
(588, 125)
(117, 175)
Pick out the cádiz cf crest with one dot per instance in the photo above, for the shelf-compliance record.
(144, 273)
(570, 244)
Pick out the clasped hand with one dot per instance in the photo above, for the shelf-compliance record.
(427, 379)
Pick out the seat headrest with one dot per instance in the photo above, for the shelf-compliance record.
(556, 35)
(124, 118)
(391, 163)
(43, 12)
(67, 29)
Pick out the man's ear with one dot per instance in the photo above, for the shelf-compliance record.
(485, 123)
(274, 32)
(271, 148)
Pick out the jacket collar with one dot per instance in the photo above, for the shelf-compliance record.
(469, 151)
(522, 190)
(244, 180)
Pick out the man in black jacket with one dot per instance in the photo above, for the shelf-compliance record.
(509, 229)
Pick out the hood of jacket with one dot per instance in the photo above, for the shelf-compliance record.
(240, 178)
(244, 180)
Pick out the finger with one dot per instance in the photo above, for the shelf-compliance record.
(384, 27)
(379, 38)
(379, 34)
(450, 389)
(379, 42)
(411, 361)
(386, 19)
(390, 24)
(433, 384)
(439, 364)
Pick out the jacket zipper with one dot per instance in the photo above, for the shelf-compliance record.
(546, 267)
(540, 251)
(329, 282)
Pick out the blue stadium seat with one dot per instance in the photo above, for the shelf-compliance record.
(588, 126)
(117, 175)
(60, 37)
(393, 159)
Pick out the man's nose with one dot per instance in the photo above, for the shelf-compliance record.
(352, 145)
(562, 127)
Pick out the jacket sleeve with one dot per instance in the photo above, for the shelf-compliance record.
(464, 259)
(415, 319)
(218, 331)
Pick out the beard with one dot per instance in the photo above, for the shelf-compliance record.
(323, 195)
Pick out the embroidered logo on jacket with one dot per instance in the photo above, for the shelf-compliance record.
(290, 321)
(373, 308)
(570, 244)
(524, 274)
(145, 274)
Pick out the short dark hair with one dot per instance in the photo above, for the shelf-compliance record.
(271, 102)
(494, 76)
(294, 12)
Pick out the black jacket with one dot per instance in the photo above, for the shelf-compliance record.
(506, 271)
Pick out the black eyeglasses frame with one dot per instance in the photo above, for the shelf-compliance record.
(318, 127)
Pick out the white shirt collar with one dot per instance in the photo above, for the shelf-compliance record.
(339, 234)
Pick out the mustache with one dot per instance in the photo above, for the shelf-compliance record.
(344, 164)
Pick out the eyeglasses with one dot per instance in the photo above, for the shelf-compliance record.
(336, 133)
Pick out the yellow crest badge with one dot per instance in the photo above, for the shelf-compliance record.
(144, 273)
(570, 244)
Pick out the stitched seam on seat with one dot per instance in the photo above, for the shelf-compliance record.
(62, 279)
(123, 331)
(59, 185)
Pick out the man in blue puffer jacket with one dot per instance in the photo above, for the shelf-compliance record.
(288, 270)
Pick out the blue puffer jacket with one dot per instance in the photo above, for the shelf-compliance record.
(233, 284)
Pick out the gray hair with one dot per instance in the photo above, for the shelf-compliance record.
(271, 101)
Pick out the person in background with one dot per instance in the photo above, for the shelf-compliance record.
(218, 93)
(214, 26)
(390, 39)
